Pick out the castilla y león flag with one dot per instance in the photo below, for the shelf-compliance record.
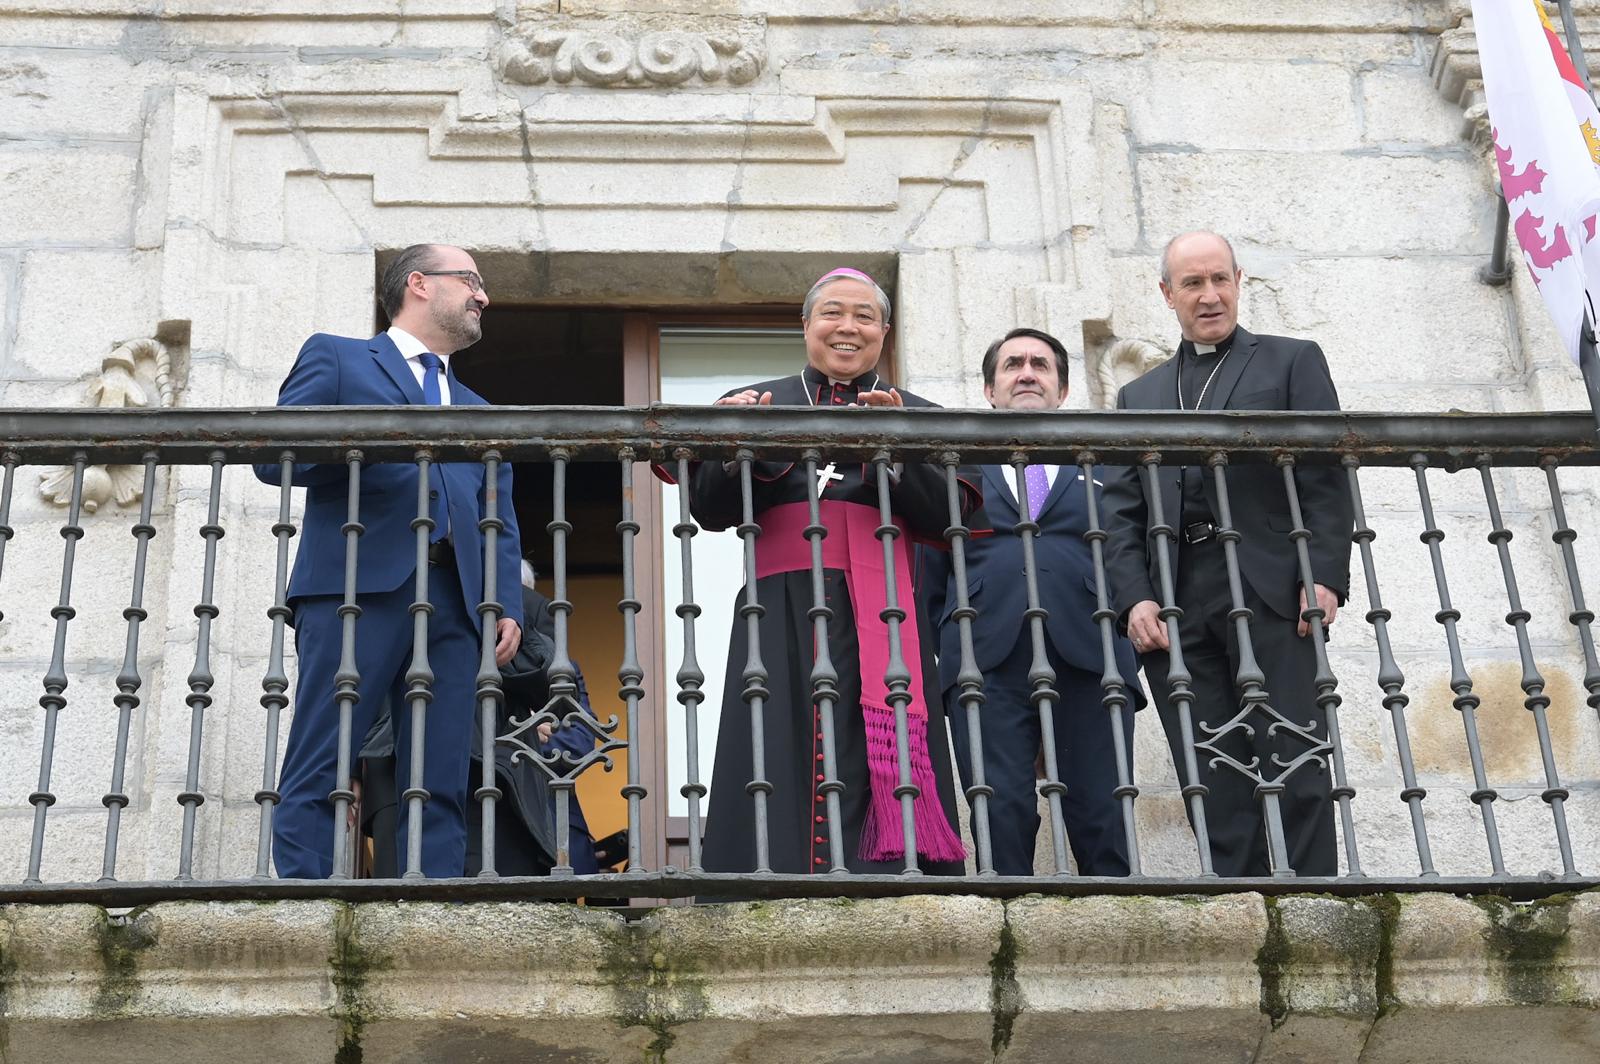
(1547, 146)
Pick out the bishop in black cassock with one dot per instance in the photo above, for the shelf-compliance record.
(845, 317)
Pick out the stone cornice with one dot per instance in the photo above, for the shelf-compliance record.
(1458, 72)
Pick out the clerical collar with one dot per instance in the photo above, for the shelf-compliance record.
(1209, 350)
(816, 378)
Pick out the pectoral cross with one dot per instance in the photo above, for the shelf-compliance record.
(824, 475)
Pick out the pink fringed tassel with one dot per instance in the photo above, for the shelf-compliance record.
(882, 838)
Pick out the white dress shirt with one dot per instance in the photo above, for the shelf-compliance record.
(412, 349)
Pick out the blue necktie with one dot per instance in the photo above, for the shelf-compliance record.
(432, 364)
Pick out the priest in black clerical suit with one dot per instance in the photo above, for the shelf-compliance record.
(1220, 366)
(846, 317)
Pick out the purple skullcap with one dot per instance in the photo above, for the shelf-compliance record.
(845, 271)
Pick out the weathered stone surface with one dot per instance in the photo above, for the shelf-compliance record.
(80, 196)
(1338, 204)
(53, 342)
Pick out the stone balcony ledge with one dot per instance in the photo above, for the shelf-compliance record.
(1235, 977)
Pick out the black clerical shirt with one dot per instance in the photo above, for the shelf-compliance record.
(1195, 368)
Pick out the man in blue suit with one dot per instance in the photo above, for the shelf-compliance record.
(434, 297)
(1027, 370)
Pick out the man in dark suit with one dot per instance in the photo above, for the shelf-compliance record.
(434, 297)
(1027, 370)
(1220, 366)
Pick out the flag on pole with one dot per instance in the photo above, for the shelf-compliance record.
(1546, 134)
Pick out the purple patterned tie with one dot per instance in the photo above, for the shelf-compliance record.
(1038, 489)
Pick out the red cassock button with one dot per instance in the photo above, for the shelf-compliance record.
(819, 840)
(817, 860)
(819, 779)
(819, 757)
(819, 799)
(819, 819)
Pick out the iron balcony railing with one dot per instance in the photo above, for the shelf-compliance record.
(221, 440)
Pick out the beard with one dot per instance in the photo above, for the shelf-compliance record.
(461, 325)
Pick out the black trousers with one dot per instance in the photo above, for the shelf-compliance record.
(1085, 759)
(1235, 818)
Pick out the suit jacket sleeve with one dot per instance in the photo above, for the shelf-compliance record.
(932, 580)
(312, 381)
(508, 580)
(1324, 492)
(1126, 523)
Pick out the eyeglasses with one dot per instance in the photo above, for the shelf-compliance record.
(474, 282)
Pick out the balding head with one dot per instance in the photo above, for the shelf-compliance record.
(1187, 241)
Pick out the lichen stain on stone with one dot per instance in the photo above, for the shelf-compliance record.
(120, 940)
(1271, 961)
(1005, 994)
(1506, 730)
(352, 963)
(654, 987)
(1530, 941)
(1387, 907)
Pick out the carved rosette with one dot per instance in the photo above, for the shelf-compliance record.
(620, 57)
(137, 373)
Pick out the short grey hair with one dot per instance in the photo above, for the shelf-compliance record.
(392, 288)
(816, 293)
(1166, 253)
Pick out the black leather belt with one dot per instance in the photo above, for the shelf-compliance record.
(442, 552)
(1199, 531)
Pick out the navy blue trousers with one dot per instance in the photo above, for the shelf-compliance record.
(1085, 758)
(302, 844)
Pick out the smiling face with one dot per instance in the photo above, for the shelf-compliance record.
(1026, 377)
(844, 334)
(455, 307)
(1202, 287)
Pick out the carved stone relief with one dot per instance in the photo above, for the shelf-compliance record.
(1120, 362)
(138, 373)
(619, 55)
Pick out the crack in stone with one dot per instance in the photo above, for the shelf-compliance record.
(301, 138)
(968, 146)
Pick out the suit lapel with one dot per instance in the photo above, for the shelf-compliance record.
(388, 356)
(1066, 479)
(1000, 489)
(1232, 371)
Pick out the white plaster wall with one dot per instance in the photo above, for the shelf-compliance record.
(1023, 163)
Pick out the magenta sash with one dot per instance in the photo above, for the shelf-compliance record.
(852, 546)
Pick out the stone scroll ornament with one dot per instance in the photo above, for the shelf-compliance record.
(1124, 361)
(138, 373)
(657, 59)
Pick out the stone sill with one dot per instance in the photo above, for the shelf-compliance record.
(925, 979)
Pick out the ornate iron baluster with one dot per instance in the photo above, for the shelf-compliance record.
(128, 679)
(824, 676)
(200, 678)
(54, 699)
(1465, 701)
(347, 678)
(1045, 696)
(1326, 683)
(275, 684)
(490, 694)
(419, 683)
(691, 678)
(1253, 694)
(563, 708)
(630, 673)
(6, 531)
(1178, 677)
(897, 676)
(1582, 617)
(1537, 701)
(969, 679)
(755, 672)
(1116, 689)
(1390, 679)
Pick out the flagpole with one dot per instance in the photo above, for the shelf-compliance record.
(1589, 362)
(1569, 24)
